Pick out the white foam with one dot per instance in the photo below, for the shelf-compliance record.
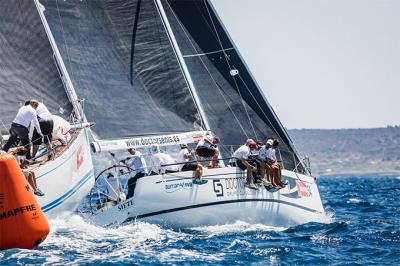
(325, 239)
(238, 226)
(174, 254)
(91, 242)
(354, 200)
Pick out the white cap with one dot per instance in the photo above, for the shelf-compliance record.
(248, 141)
(270, 142)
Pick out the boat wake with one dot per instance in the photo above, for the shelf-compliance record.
(237, 227)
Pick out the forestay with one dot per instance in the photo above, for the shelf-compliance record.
(233, 103)
(27, 66)
(122, 63)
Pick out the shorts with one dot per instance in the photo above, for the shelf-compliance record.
(206, 152)
(189, 167)
(46, 126)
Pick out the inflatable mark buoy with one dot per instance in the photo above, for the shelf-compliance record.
(22, 222)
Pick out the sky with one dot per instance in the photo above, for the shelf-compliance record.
(322, 63)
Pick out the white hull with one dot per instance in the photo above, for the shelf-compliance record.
(173, 200)
(66, 180)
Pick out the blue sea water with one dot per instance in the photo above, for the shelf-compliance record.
(363, 228)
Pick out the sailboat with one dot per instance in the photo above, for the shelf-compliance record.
(29, 69)
(166, 72)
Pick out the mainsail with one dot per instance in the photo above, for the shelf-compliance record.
(27, 66)
(234, 104)
(122, 63)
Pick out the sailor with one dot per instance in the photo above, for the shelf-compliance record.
(276, 169)
(162, 162)
(137, 162)
(45, 119)
(241, 156)
(265, 162)
(207, 147)
(114, 188)
(183, 159)
(19, 153)
(20, 127)
(256, 162)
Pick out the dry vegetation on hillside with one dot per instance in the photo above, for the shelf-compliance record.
(350, 150)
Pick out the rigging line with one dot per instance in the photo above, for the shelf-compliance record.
(212, 21)
(213, 52)
(262, 110)
(293, 149)
(230, 68)
(227, 60)
(208, 71)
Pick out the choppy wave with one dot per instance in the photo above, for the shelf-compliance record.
(361, 227)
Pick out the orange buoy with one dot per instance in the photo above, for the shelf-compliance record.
(22, 222)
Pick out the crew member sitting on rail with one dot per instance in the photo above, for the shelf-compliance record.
(20, 127)
(276, 168)
(240, 160)
(115, 192)
(137, 162)
(207, 147)
(183, 159)
(162, 163)
(265, 162)
(20, 153)
(46, 124)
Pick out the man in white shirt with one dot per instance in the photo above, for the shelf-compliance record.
(241, 156)
(138, 163)
(162, 163)
(46, 124)
(20, 127)
(183, 159)
(207, 147)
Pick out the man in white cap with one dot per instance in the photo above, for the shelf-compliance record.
(138, 163)
(20, 127)
(240, 159)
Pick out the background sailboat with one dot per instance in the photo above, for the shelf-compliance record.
(28, 69)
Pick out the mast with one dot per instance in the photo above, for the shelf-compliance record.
(181, 61)
(69, 87)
